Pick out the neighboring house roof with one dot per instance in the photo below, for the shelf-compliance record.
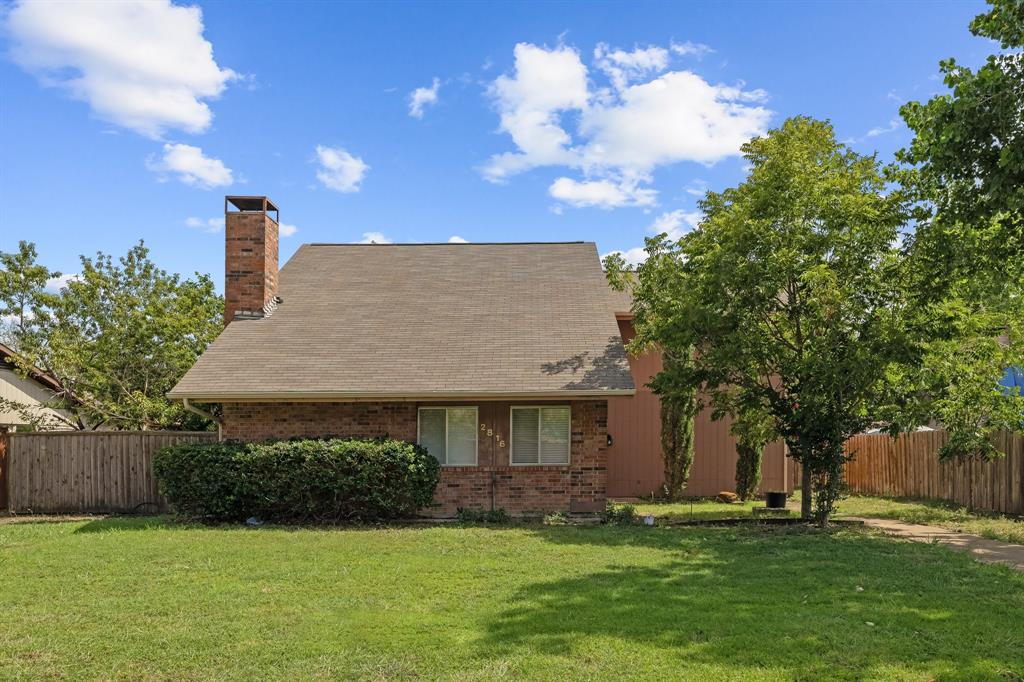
(424, 321)
(25, 396)
(9, 360)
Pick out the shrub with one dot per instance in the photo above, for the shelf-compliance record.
(498, 515)
(558, 518)
(294, 481)
(619, 514)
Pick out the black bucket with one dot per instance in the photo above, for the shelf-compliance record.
(775, 500)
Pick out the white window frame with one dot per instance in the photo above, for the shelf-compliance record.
(476, 439)
(538, 463)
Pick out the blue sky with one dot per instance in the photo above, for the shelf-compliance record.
(605, 123)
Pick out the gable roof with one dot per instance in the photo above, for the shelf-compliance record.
(9, 360)
(424, 321)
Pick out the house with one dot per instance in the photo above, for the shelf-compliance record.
(506, 360)
(23, 399)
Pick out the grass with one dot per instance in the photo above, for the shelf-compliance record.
(128, 599)
(928, 512)
(699, 510)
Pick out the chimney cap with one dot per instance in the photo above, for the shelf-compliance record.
(260, 204)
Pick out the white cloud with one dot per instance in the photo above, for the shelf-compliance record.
(287, 230)
(375, 238)
(601, 193)
(696, 49)
(893, 125)
(339, 170)
(143, 65)
(546, 83)
(623, 67)
(632, 257)
(456, 239)
(191, 166)
(616, 136)
(675, 223)
(211, 225)
(697, 188)
(55, 284)
(672, 223)
(676, 117)
(422, 97)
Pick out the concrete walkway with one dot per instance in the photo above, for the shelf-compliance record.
(982, 549)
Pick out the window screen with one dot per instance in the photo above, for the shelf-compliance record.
(540, 435)
(449, 434)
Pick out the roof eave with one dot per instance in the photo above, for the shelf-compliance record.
(359, 396)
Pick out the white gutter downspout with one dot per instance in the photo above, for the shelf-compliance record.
(206, 415)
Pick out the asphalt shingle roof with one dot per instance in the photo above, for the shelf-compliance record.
(421, 321)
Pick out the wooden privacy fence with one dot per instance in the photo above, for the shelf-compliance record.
(88, 471)
(909, 467)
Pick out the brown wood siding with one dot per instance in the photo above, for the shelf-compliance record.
(635, 465)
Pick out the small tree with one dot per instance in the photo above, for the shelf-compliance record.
(753, 429)
(678, 409)
(788, 291)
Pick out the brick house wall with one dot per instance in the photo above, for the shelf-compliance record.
(579, 486)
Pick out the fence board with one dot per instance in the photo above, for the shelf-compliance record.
(909, 466)
(88, 471)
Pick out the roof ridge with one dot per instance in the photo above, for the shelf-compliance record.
(449, 243)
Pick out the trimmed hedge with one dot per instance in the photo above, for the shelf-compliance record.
(297, 481)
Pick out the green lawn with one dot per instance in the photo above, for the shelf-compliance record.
(995, 526)
(702, 509)
(147, 599)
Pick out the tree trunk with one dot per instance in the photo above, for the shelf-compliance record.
(805, 491)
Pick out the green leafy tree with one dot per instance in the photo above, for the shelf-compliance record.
(116, 337)
(753, 427)
(788, 292)
(678, 410)
(22, 288)
(964, 170)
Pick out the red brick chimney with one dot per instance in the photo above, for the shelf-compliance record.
(250, 258)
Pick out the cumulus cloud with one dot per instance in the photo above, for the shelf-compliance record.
(675, 223)
(339, 170)
(456, 239)
(622, 67)
(287, 230)
(616, 136)
(633, 257)
(375, 238)
(420, 98)
(140, 64)
(530, 102)
(191, 166)
(211, 225)
(601, 193)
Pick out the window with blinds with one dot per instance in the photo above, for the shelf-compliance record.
(540, 435)
(449, 434)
